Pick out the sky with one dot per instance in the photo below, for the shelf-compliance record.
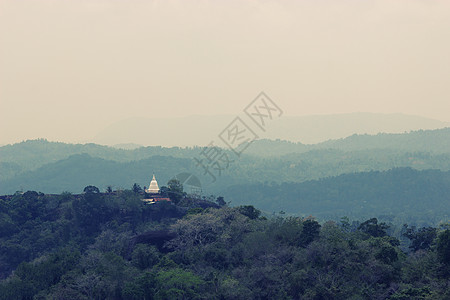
(68, 69)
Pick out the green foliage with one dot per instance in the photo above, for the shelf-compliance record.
(421, 239)
(54, 167)
(249, 211)
(221, 201)
(108, 249)
(372, 228)
(90, 189)
(141, 287)
(30, 278)
(288, 230)
(443, 247)
(194, 211)
(136, 188)
(145, 256)
(177, 284)
(175, 190)
(310, 232)
(410, 292)
(90, 210)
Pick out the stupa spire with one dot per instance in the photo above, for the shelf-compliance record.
(153, 187)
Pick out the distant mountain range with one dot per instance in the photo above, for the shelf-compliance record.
(53, 167)
(200, 130)
(433, 141)
(29, 155)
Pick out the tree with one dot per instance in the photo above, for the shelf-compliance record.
(249, 211)
(220, 200)
(142, 287)
(175, 190)
(310, 231)
(345, 223)
(145, 256)
(90, 210)
(137, 188)
(421, 239)
(178, 284)
(371, 227)
(164, 191)
(214, 225)
(443, 247)
(287, 230)
(27, 207)
(90, 189)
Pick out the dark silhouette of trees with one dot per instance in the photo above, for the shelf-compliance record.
(249, 211)
(221, 201)
(443, 247)
(175, 190)
(136, 188)
(421, 239)
(90, 189)
(373, 228)
(310, 231)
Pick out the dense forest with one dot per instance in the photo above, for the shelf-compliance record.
(114, 246)
(399, 195)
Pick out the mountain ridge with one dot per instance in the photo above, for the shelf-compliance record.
(310, 129)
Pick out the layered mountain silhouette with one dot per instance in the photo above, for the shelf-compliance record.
(200, 130)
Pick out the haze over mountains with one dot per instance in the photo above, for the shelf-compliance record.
(281, 167)
(200, 130)
(329, 165)
(409, 195)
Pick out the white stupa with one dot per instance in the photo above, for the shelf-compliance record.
(153, 187)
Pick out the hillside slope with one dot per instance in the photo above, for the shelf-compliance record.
(29, 155)
(75, 172)
(433, 141)
(404, 192)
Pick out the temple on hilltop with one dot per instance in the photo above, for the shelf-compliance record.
(153, 187)
(153, 194)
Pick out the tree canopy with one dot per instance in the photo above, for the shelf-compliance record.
(113, 246)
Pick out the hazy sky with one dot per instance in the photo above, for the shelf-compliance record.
(70, 68)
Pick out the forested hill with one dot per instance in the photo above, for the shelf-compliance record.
(263, 161)
(403, 194)
(435, 141)
(72, 174)
(32, 154)
(75, 172)
(273, 183)
(114, 246)
(432, 141)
